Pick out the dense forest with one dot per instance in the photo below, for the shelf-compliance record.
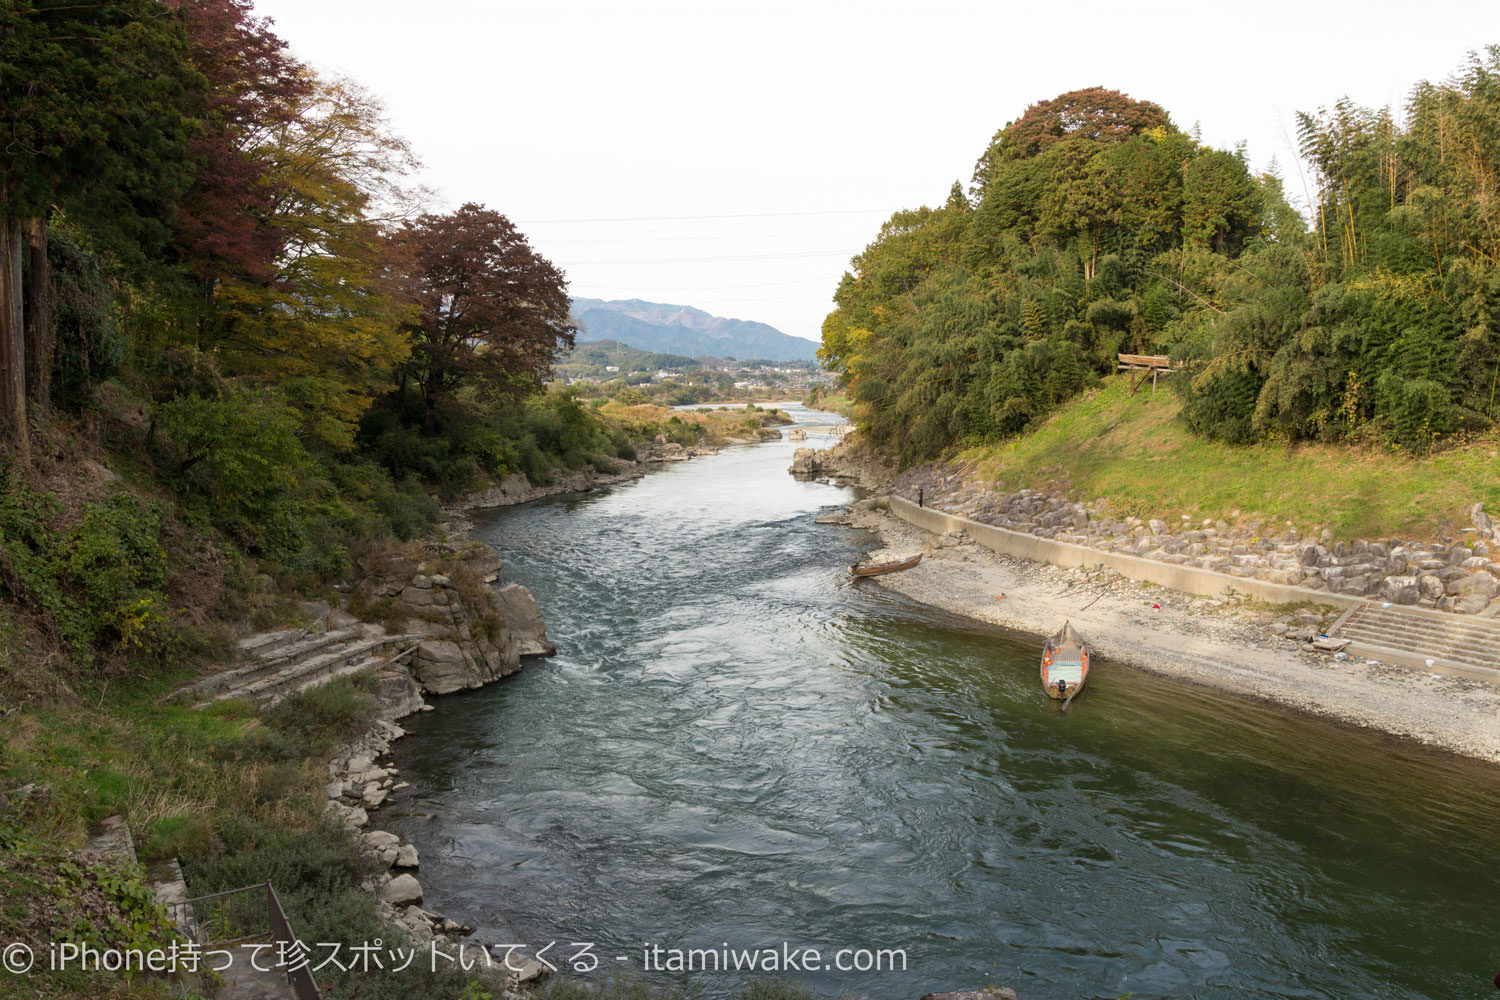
(220, 284)
(1094, 226)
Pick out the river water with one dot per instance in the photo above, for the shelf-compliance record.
(738, 746)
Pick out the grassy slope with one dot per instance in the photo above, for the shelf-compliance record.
(1137, 456)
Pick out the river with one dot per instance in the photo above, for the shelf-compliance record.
(738, 746)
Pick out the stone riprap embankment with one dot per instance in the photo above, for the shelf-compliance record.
(1460, 574)
(361, 780)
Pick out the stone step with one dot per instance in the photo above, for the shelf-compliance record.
(1479, 632)
(1428, 646)
(265, 642)
(268, 688)
(1482, 645)
(304, 647)
(291, 672)
(1420, 637)
(308, 682)
(265, 658)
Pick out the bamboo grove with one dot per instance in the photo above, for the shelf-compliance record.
(1095, 226)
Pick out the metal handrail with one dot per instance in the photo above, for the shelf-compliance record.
(239, 913)
(227, 917)
(298, 974)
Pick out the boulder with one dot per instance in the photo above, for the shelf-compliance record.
(1479, 584)
(418, 924)
(385, 846)
(441, 667)
(351, 816)
(987, 993)
(1482, 522)
(403, 890)
(1400, 589)
(396, 692)
(1430, 586)
(1471, 604)
(406, 857)
(518, 608)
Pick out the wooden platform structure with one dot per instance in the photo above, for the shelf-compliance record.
(1141, 365)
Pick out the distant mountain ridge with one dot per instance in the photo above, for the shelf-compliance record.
(693, 333)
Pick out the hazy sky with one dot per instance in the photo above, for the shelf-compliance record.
(734, 156)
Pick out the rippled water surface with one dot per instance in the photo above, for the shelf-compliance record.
(737, 744)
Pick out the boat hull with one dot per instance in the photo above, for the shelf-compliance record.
(1065, 664)
(875, 569)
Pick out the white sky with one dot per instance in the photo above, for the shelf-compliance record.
(734, 155)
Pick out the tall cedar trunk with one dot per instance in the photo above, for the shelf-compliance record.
(41, 327)
(13, 429)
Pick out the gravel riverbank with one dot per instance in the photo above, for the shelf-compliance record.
(1225, 644)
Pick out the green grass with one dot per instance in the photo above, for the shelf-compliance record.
(1136, 456)
(236, 795)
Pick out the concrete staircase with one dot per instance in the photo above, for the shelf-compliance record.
(1417, 637)
(275, 665)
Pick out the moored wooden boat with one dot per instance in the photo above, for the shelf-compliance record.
(875, 569)
(1065, 664)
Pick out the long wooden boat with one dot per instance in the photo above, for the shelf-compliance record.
(875, 569)
(1065, 664)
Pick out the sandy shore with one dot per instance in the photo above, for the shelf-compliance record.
(1232, 647)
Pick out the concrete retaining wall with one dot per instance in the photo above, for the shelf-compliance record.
(1186, 579)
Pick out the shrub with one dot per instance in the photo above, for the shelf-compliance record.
(322, 717)
(237, 454)
(99, 583)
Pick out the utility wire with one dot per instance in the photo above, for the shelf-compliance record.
(697, 218)
(567, 240)
(704, 260)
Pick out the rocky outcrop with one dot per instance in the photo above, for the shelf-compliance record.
(660, 450)
(516, 488)
(471, 633)
(846, 463)
(518, 608)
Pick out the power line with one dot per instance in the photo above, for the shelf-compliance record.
(696, 238)
(705, 260)
(698, 218)
(728, 288)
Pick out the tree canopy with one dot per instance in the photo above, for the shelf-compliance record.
(1094, 226)
(493, 315)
